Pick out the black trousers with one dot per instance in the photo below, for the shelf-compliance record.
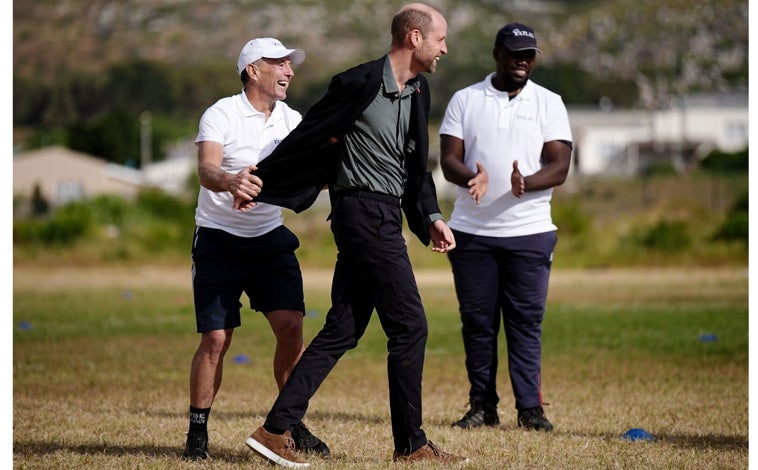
(373, 271)
(503, 278)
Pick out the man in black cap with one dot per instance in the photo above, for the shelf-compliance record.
(505, 142)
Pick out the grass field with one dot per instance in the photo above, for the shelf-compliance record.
(101, 360)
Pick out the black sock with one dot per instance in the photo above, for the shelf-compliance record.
(198, 420)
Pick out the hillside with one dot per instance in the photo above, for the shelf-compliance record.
(665, 47)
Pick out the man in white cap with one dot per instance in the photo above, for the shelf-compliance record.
(250, 251)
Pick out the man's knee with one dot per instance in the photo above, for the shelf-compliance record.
(287, 325)
(216, 342)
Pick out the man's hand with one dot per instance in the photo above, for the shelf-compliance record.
(518, 186)
(245, 186)
(442, 237)
(477, 186)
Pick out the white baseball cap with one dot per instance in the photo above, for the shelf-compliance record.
(268, 48)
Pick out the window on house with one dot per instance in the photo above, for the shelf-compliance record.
(736, 133)
(69, 190)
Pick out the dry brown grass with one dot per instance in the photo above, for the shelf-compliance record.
(120, 403)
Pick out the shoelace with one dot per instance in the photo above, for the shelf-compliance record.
(289, 443)
(301, 431)
(434, 448)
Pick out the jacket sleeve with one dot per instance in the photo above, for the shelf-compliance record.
(306, 160)
(420, 197)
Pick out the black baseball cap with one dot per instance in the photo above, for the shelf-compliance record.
(517, 37)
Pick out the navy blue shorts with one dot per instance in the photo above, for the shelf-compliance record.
(224, 266)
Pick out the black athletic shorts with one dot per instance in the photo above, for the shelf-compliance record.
(224, 266)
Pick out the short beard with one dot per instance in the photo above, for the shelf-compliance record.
(511, 84)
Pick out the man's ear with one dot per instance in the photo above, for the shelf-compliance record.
(415, 38)
(252, 70)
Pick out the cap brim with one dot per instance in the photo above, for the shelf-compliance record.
(297, 56)
(523, 49)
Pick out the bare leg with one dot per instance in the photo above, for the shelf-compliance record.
(208, 366)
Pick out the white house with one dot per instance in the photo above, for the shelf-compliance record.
(626, 142)
(62, 175)
(171, 174)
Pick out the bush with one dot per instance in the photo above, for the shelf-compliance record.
(163, 206)
(570, 219)
(155, 237)
(741, 203)
(736, 227)
(606, 224)
(110, 209)
(665, 235)
(158, 222)
(723, 162)
(68, 224)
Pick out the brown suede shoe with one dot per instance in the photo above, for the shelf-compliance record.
(279, 449)
(430, 452)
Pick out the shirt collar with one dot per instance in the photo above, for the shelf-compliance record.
(390, 84)
(524, 93)
(248, 110)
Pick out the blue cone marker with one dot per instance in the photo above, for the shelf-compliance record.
(637, 434)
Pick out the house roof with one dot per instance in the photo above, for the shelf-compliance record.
(57, 170)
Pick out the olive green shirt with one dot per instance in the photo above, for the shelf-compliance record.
(372, 157)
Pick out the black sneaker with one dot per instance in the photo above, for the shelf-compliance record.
(197, 447)
(305, 441)
(534, 419)
(478, 415)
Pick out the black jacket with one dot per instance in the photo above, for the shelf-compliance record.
(306, 160)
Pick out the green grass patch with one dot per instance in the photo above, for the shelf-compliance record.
(100, 376)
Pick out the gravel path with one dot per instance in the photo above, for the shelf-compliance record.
(589, 284)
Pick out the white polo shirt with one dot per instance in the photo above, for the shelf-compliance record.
(247, 139)
(496, 131)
